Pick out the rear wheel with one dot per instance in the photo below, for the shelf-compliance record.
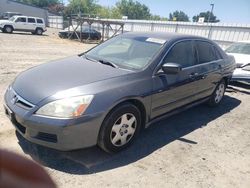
(120, 128)
(39, 31)
(8, 29)
(218, 94)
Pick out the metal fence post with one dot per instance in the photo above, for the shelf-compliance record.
(152, 26)
(210, 31)
(176, 28)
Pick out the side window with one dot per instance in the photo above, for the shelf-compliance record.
(31, 20)
(39, 21)
(21, 19)
(205, 51)
(182, 53)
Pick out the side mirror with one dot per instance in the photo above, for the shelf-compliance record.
(171, 68)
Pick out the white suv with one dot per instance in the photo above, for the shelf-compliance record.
(23, 23)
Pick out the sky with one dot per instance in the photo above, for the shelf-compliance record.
(228, 11)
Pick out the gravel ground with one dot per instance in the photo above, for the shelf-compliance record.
(201, 147)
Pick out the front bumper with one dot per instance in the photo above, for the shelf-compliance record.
(60, 134)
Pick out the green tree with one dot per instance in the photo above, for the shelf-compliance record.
(158, 18)
(109, 12)
(206, 16)
(178, 16)
(82, 6)
(40, 3)
(133, 9)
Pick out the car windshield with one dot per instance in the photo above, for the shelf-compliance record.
(240, 48)
(127, 52)
(12, 18)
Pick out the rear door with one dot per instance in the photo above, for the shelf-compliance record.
(175, 90)
(208, 67)
(31, 25)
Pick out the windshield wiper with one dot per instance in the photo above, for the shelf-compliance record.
(101, 61)
(108, 63)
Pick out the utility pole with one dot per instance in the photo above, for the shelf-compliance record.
(211, 12)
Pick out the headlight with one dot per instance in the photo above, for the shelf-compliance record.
(66, 108)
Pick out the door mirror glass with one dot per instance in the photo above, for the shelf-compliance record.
(171, 68)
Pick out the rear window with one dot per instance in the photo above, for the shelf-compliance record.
(39, 21)
(31, 20)
(205, 51)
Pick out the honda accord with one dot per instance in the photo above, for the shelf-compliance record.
(106, 95)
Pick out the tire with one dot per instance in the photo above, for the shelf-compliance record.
(39, 31)
(33, 33)
(218, 94)
(8, 29)
(120, 128)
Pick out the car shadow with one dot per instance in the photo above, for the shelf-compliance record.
(24, 33)
(93, 160)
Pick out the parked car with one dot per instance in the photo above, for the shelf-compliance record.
(106, 95)
(8, 15)
(87, 33)
(23, 23)
(241, 53)
(242, 74)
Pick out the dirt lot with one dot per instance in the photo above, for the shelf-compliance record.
(201, 147)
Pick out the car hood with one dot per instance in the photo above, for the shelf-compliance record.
(5, 22)
(242, 59)
(48, 79)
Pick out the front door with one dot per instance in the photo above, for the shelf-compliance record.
(21, 23)
(175, 90)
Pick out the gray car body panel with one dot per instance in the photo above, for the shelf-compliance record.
(74, 76)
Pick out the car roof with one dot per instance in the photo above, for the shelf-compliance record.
(163, 35)
(27, 16)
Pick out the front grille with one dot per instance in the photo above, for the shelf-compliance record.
(23, 104)
(18, 100)
(46, 137)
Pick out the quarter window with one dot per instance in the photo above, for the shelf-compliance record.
(39, 21)
(182, 53)
(205, 51)
(31, 20)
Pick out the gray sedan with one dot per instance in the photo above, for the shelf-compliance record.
(108, 94)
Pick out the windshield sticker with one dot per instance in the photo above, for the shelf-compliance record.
(155, 40)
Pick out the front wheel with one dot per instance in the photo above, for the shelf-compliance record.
(8, 29)
(120, 128)
(218, 94)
